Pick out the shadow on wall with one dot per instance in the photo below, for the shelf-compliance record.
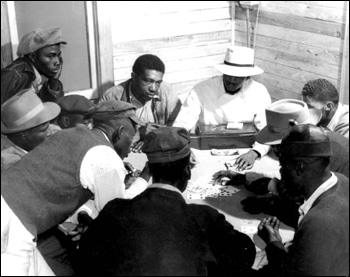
(6, 55)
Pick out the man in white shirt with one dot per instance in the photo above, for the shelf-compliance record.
(323, 95)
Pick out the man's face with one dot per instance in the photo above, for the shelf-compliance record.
(123, 145)
(313, 104)
(147, 85)
(36, 136)
(292, 181)
(233, 84)
(48, 60)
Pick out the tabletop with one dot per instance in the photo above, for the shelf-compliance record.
(230, 206)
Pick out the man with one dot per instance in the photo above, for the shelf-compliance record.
(233, 97)
(156, 104)
(75, 110)
(86, 163)
(24, 125)
(322, 95)
(320, 244)
(39, 66)
(157, 233)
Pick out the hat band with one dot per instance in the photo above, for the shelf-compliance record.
(161, 157)
(106, 115)
(306, 149)
(26, 117)
(239, 65)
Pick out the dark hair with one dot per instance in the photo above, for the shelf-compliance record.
(148, 61)
(170, 171)
(321, 90)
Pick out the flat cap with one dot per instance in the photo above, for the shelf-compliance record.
(75, 104)
(166, 144)
(306, 140)
(113, 109)
(38, 39)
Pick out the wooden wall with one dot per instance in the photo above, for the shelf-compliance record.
(295, 40)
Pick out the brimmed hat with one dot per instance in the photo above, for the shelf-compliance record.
(306, 140)
(75, 104)
(38, 39)
(278, 115)
(25, 110)
(239, 62)
(166, 144)
(112, 109)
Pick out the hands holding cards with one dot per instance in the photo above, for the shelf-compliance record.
(268, 230)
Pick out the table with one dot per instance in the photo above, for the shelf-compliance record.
(230, 205)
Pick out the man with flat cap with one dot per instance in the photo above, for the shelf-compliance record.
(75, 110)
(40, 192)
(157, 233)
(38, 66)
(321, 240)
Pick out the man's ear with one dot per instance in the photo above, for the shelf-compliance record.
(117, 134)
(32, 57)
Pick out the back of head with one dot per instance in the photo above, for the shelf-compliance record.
(148, 61)
(321, 90)
(168, 153)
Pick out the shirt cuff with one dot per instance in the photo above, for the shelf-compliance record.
(262, 149)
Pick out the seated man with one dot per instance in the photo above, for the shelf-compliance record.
(75, 110)
(233, 97)
(322, 95)
(156, 104)
(157, 233)
(39, 66)
(24, 125)
(86, 163)
(320, 245)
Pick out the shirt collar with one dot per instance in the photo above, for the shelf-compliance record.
(165, 186)
(246, 85)
(304, 209)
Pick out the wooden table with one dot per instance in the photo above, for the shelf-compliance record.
(230, 205)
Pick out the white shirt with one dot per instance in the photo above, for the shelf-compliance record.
(102, 172)
(340, 121)
(304, 209)
(209, 104)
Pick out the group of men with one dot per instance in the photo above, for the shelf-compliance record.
(49, 173)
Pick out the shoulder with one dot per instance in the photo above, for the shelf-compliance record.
(115, 92)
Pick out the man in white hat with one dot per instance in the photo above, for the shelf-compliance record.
(233, 97)
(39, 66)
(24, 125)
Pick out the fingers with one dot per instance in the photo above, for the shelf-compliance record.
(137, 147)
(275, 223)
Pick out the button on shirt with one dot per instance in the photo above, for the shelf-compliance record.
(304, 209)
(209, 104)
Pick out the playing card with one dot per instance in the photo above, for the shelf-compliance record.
(225, 193)
(196, 196)
(212, 193)
(231, 189)
(249, 229)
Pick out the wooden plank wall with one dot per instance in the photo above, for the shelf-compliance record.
(295, 40)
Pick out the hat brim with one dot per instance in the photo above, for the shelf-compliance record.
(49, 112)
(137, 120)
(238, 71)
(265, 136)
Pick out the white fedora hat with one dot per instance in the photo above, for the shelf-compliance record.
(278, 116)
(239, 62)
(25, 110)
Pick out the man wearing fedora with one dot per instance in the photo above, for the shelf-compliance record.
(24, 125)
(323, 95)
(39, 66)
(157, 233)
(233, 97)
(320, 244)
(87, 163)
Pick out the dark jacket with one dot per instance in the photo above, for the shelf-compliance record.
(321, 241)
(158, 234)
(20, 75)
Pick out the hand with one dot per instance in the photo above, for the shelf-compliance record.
(58, 74)
(246, 161)
(268, 230)
(193, 159)
(137, 146)
(222, 174)
(128, 166)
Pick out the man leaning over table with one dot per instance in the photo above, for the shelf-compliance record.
(233, 97)
(320, 244)
(87, 163)
(157, 233)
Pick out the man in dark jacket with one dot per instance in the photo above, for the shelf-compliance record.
(39, 66)
(321, 241)
(157, 233)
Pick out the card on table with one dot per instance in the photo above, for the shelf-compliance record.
(196, 196)
(249, 229)
(231, 189)
(225, 193)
